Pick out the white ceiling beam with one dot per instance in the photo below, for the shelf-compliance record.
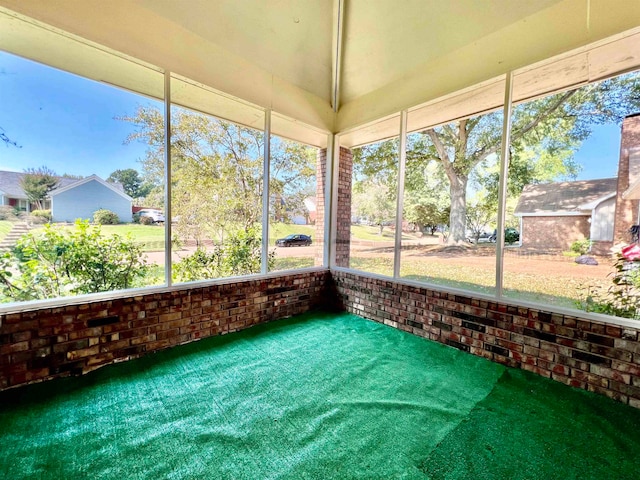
(336, 52)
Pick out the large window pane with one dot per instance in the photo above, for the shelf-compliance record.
(569, 199)
(216, 188)
(374, 191)
(72, 179)
(293, 206)
(450, 203)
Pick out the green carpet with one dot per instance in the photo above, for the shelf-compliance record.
(317, 396)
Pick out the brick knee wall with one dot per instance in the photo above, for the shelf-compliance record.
(582, 353)
(55, 342)
(42, 344)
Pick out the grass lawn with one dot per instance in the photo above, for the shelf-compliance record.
(372, 233)
(5, 228)
(522, 286)
(150, 236)
(290, 263)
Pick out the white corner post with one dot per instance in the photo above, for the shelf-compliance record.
(502, 187)
(264, 266)
(167, 180)
(402, 155)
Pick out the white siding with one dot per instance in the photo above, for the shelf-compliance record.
(602, 221)
(83, 200)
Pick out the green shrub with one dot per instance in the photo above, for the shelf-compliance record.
(581, 247)
(105, 217)
(8, 213)
(41, 216)
(239, 255)
(145, 220)
(511, 235)
(622, 299)
(58, 262)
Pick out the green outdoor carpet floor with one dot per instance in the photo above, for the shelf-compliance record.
(318, 396)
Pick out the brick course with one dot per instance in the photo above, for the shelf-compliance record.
(627, 210)
(55, 342)
(582, 353)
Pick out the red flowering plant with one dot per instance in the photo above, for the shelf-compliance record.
(622, 299)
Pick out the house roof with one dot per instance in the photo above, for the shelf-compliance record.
(116, 187)
(10, 183)
(564, 198)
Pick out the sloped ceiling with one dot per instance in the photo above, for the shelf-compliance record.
(280, 54)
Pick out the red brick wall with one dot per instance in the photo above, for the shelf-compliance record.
(626, 210)
(321, 170)
(582, 353)
(343, 230)
(553, 233)
(54, 342)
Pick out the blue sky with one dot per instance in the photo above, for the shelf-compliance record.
(63, 121)
(68, 124)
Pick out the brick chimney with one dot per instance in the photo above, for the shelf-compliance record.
(628, 172)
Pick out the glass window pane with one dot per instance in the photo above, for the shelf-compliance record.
(293, 206)
(374, 191)
(71, 181)
(570, 201)
(216, 188)
(450, 203)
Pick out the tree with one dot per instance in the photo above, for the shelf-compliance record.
(551, 128)
(217, 170)
(375, 202)
(37, 183)
(6, 140)
(545, 134)
(479, 215)
(130, 180)
(426, 215)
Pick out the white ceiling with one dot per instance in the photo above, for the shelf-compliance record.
(278, 54)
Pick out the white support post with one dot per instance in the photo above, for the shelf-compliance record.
(167, 179)
(264, 268)
(502, 188)
(402, 154)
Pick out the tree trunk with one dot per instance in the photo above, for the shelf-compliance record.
(457, 217)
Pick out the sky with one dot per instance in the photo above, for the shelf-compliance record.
(64, 122)
(69, 124)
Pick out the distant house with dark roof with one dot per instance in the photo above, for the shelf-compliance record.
(12, 193)
(73, 198)
(554, 215)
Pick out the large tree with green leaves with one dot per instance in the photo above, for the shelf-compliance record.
(217, 170)
(545, 134)
(131, 181)
(37, 183)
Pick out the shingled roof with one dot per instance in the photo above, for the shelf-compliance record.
(10, 183)
(564, 197)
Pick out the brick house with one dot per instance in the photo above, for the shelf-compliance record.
(554, 215)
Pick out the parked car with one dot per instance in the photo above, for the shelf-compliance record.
(155, 215)
(294, 240)
(511, 235)
(483, 238)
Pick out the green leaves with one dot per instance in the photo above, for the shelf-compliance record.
(37, 183)
(240, 254)
(60, 262)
